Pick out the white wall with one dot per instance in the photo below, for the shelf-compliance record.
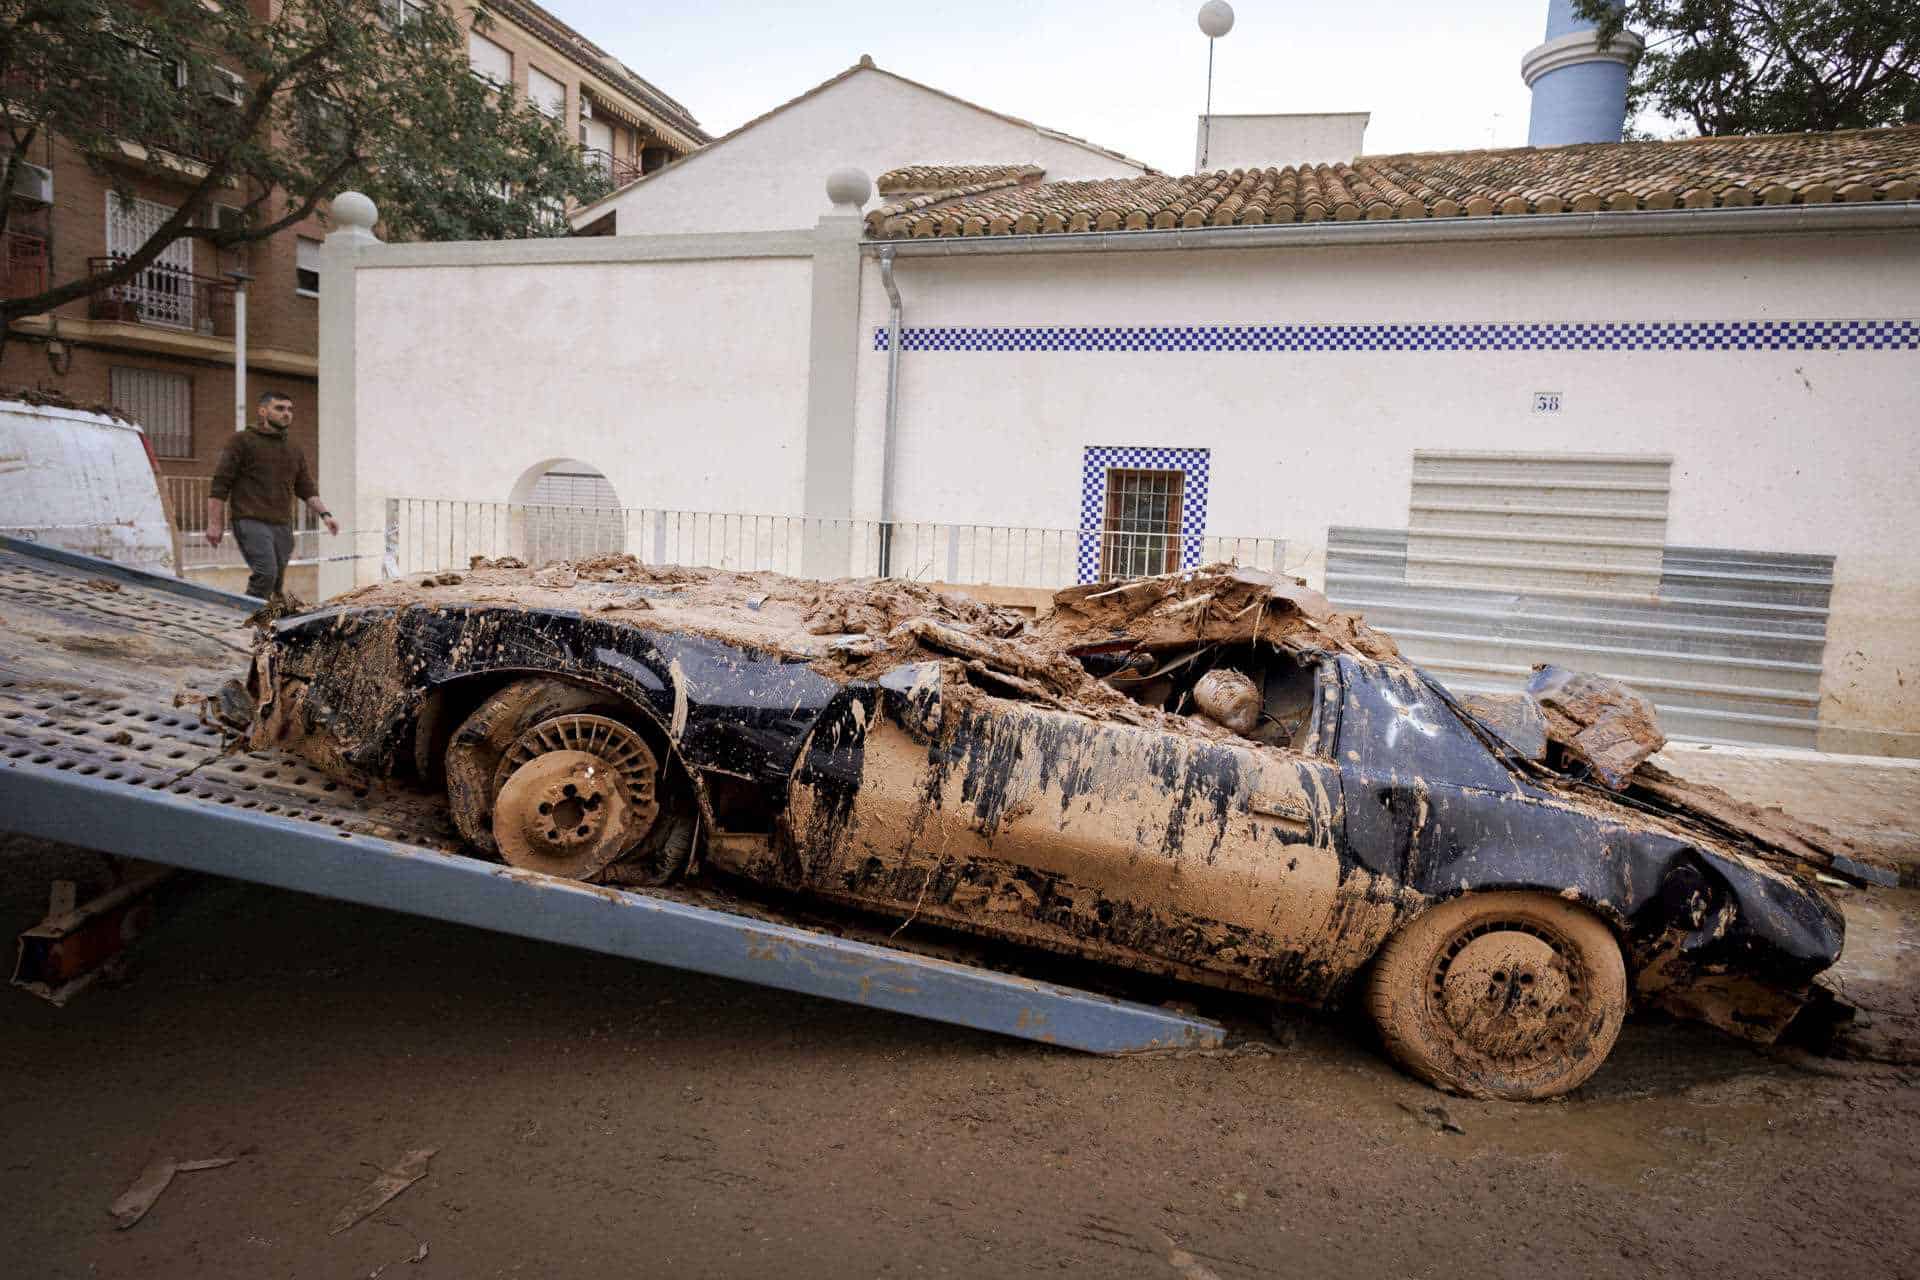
(1797, 451)
(680, 381)
(1275, 141)
(774, 174)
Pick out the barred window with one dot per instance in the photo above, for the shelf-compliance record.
(160, 402)
(1141, 533)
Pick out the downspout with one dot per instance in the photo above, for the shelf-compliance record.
(890, 432)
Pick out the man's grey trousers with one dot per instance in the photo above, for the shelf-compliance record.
(266, 549)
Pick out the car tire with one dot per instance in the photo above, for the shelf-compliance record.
(1507, 995)
(496, 784)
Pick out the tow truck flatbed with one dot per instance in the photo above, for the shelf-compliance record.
(96, 753)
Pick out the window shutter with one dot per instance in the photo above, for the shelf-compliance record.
(160, 402)
(488, 59)
(546, 93)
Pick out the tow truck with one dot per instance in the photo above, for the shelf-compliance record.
(104, 747)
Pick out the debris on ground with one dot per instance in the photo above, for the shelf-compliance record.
(496, 562)
(441, 580)
(1434, 1117)
(101, 584)
(133, 1203)
(410, 1169)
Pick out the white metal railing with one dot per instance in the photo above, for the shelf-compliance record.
(431, 535)
(186, 498)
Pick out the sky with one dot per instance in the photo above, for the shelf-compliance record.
(1127, 74)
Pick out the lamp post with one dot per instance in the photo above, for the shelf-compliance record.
(1216, 19)
(239, 279)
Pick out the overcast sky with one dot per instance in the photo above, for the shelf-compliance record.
(1128, 74)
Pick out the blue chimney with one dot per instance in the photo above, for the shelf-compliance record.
(1579, 89)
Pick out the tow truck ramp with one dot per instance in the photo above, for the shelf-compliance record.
(96, 754)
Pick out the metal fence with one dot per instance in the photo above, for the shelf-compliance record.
(186, 498)
(1730, 647)
(428, 535)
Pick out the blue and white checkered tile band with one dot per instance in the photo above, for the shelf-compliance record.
(1704, 335)
(1100, 459)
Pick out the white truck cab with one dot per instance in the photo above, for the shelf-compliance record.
(83, 481)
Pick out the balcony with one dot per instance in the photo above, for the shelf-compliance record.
(166, 296)
(618, 171)
(23, 259)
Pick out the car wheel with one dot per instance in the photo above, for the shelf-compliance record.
(1504, 995)
(545, 775)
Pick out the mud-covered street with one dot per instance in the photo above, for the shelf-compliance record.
(594, 1117)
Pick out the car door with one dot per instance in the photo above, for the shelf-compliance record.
(1408, 767)
(1112, 839)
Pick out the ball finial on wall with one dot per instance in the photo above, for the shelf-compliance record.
(352, 209)
(849, 185)
(1216, 18)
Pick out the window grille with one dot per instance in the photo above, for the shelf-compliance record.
(162, 403)
(1141, 533)
(164, 292)
(573, 511)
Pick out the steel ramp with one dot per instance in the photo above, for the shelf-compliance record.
(95, 753)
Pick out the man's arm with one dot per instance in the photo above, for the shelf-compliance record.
(224, 472)
(309, 493)
(319, 508)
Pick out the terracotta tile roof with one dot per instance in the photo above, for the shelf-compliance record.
(947, 177)
(1801, 168)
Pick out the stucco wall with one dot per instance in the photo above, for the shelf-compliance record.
(682, 382)
(773, 175)
(1774, 450)
(1270, 141)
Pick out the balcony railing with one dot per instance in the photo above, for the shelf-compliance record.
(618, 170)
(23, 259)
(167, 296)
(434, 535)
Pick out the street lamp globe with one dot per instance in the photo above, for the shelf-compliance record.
(1216, 18)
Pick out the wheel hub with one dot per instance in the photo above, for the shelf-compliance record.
(1506, 993)
(564, 813)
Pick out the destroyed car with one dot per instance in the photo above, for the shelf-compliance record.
(1214, 776)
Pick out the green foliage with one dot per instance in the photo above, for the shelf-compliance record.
(277, 115)
(1771, 66)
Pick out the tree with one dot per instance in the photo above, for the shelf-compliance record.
(1771, 66)
(276, 116)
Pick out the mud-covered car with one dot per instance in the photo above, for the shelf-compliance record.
(1213, 776)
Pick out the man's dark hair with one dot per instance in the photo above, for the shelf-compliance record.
(270, 397)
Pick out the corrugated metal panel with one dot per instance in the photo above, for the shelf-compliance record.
(1730, 649)
(1588, 522)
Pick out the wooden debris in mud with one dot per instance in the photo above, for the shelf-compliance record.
(1596, 720)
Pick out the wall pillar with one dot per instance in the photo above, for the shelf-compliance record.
(826, 496)
(362, 516)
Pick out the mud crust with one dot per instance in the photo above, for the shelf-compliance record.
(1413, 996)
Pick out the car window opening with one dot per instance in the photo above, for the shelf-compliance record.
(1256, 691)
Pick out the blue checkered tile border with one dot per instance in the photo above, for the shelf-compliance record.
(1098, 460)
(1706, 335)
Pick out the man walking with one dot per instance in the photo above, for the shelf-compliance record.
(259, 475)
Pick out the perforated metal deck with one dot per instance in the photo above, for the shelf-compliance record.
(102, 746)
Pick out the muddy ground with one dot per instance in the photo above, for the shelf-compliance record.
(596, 1117)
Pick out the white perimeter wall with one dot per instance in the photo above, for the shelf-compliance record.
(683, 382)
(773, 176)
(1800, 451)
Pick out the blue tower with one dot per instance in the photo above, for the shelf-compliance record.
(1579, 89)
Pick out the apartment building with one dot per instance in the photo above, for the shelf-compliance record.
(161, 348)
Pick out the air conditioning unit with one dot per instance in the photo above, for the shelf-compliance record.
(227, 87)
(33, 182)
(223, 217)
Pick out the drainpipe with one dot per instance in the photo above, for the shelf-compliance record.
(889, 437)
(240, 279)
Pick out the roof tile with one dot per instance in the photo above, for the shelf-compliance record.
(1699, 173)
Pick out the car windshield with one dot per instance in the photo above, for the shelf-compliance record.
(1393, 724)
